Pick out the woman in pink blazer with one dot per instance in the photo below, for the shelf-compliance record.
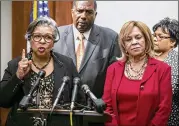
(138, 89)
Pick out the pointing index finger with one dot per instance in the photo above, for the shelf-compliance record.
(23, 54)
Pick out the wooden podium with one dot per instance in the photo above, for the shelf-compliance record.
(59, 117)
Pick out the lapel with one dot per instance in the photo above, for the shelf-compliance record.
(59, 73)
(27, 84)
(68, 38)
(151, 67)
(93, 40)
(119, 72)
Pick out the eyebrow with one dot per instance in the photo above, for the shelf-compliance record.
(135, 35)
(160, 34)
(43, 34)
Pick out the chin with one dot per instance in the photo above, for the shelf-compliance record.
(42, 54)
(82, 30)
(156, 49)
(137, 53)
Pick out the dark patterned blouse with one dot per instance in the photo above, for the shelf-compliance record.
(172, 60)
(43, 96)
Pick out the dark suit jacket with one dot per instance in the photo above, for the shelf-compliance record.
(101, 49)
(155, 94)
(13, 89)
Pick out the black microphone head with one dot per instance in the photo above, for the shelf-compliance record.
(76, 80)
(66, 78)
(41, 73)
(100, 105)
(84, 87)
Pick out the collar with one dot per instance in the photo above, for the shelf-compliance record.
(151, 61)
(76, 32)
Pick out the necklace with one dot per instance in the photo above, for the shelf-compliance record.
(42, 66)
(138, 74)
(137, 71)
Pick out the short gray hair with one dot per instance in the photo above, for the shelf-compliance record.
(171, 26)
(43, 21)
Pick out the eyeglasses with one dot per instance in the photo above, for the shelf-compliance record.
(159, 37)
(37, 37)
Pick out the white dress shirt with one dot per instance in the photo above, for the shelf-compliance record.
(76, 40)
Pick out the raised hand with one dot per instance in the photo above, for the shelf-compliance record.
(24, 66)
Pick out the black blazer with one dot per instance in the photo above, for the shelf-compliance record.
(101, 50)
(13, 89)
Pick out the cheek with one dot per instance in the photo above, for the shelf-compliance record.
(91, 18)
(143, 45)
(127, 48)
(76, 17)
(33, 45)
(142, 42)
(50, 46)
(162, 45)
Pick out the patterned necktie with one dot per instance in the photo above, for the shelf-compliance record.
(80, 50)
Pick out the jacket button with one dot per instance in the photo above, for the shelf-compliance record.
(142, 87)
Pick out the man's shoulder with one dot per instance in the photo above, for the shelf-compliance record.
(105, 29)
(62, 58)
(64, 27)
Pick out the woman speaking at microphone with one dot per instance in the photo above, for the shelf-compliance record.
(22, 72)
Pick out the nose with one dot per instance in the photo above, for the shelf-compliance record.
(42, 41)
(134, 41)
(155, 39)
(83, 15)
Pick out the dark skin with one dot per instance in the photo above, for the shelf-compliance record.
(83, 15)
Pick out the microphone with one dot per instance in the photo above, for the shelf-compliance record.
(60, 90)
(26, 99)
(98, 103)
(76, 82)
(86, 90)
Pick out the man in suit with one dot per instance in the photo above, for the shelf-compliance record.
(100, 45)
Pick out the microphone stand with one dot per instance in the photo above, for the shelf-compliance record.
(24, 103)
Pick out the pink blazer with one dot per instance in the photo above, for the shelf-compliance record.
(155, 95)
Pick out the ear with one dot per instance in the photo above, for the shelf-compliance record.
(72, 11)
(96, 14)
